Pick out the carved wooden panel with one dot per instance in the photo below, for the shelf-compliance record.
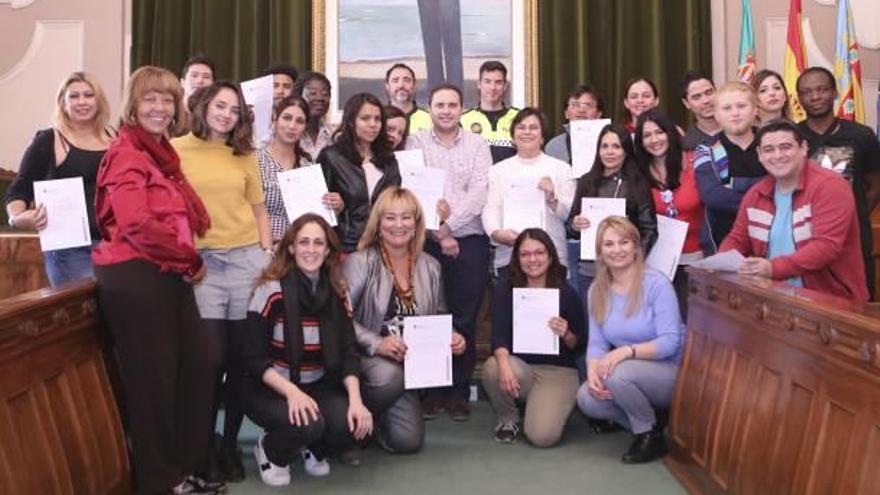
(60, 431)
(778, 392)
(21, 264)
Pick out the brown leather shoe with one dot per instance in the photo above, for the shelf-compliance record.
(431, 407)
(458, 409)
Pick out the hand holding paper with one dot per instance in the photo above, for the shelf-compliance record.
(532, 311)
(67, 221)
(596, 210)
(524, 205)
(428, 361)
(427, 184)
(303, 190)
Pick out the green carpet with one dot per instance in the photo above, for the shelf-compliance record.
(463, 459)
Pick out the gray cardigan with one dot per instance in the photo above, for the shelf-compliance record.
(370, 286)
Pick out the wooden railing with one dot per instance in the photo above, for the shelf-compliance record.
(778, 392)
(60, 431)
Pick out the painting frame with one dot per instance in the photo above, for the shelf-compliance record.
(522, 75)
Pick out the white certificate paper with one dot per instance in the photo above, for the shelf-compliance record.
(409, 159)
(584, 140)
(258, 95)
(667, 250)
(727, 261)
(596, 210)
(426, 183)
(523, 204)
(301, 190)
(532, 310)
(428, 361)
(67, 223)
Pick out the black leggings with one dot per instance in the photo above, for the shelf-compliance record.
(165, 367)
(226, 336)
(283, 440)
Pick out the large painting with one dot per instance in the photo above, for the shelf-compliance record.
(356, 41)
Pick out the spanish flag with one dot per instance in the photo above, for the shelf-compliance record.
(795, 59)
(747, 60)
(847, 68)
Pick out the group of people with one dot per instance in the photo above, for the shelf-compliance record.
(215, 297)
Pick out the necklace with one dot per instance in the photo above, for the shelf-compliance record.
(408, 296)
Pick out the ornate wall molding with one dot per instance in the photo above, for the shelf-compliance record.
(17, 4)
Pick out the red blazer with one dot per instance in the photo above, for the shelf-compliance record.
(141, 213)
(828, 252)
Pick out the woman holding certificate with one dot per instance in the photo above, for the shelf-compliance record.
(145, 266)
(283, 151)
(546, 382)
(359, 165)
(72, 147)
(218, 159)
(635, 343)
(299, 358)
(528, 190)
(670, 173)
(389, 278)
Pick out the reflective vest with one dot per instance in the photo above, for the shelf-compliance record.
(419, 120)
(498, 136)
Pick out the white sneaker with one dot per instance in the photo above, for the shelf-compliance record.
(313, 466)
(270, 473)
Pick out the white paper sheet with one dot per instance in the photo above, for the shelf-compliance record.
(727, 261)
(427, 184)
(524, 205)
(258, 95)
(409, 159)
(67, 223)
(596, 210)
(667, 250)
(428, 361)
(584, 140)
(301, 190)
(532, 310)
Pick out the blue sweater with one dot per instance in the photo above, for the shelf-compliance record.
(657, 321)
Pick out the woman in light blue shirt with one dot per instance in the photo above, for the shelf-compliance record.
(635, 343)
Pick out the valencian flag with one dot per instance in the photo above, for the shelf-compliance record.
(747, 59)
(847, 68)
(795, 59)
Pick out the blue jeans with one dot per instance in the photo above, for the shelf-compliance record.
(67, 265)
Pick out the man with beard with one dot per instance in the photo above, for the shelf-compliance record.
(698, 96)
(314, 87)
(491, 118)
(400, 86)
(283, 78)
(848, 148)
(460, 245)
(727, 169)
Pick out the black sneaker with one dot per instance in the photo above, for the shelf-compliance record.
(229, 459)
(506, 431)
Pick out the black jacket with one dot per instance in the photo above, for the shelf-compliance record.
(639, 204)
(345, 175)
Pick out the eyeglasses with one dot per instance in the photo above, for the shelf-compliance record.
(668, 198)
(577, 105)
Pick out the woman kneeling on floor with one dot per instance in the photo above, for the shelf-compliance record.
(300, 358)
(635, 343)
(547, 383)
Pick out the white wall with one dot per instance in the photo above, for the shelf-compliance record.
(43, 41)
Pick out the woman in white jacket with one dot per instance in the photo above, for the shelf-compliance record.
(513, 179)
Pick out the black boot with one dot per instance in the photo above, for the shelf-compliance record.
(646, 447)
(602, 426)
(230, 464)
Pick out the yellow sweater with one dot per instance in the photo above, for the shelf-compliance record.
(229, 186)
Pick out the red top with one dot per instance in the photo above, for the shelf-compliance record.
(825, 227)
(143, 208)
(686, 199)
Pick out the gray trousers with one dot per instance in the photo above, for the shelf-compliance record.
(637, 387)
(400, 427)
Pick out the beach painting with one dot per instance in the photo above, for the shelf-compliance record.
(442, 40)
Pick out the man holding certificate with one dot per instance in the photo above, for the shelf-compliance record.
(460, 244)
(519, 369)
(529, 190)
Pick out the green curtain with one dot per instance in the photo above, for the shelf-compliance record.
(241, 36)
(607, 42)
(603, 42)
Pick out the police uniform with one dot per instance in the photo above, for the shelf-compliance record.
(497, 133)
(419, 120)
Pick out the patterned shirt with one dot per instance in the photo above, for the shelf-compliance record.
(467, 163)
(274, 203)
(313, 148)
